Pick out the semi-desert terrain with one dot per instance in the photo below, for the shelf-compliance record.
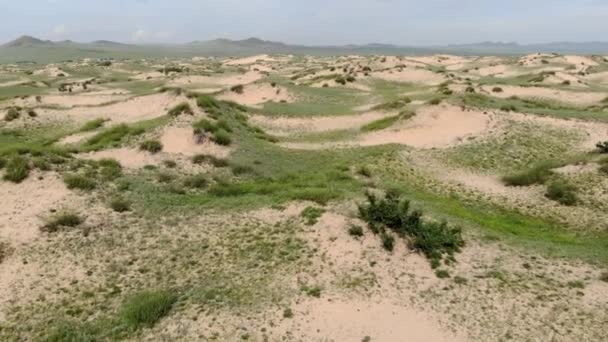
(305, 198)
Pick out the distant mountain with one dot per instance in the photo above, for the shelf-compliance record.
(25, 41)
(27, 48)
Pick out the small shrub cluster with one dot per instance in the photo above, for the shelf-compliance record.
(562, 192)
(213, 160)
(81, 182)
(538, 174)
(602, 146)
(219, 130)
(12, 114)
(312, 215)
(152, 146)
(497, 90)
(196, 181)
(182, 108)
(120, 205)
(92, 125)
(239, 89)
(61, 220)
(147, 308)
(436, 240)
(16, 170)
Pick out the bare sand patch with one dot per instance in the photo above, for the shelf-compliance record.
(436, 126)
(13, 83)
(178, 140)
(23, 205)
(81, 99)
(148, 75)
(259, 93)
(287, 125)
(250, 60)
(222, 80)
(580, 61)
(76, 138)
(132, 110)
(410, 75)
(572, 97)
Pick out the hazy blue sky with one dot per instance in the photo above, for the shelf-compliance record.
(413, 22)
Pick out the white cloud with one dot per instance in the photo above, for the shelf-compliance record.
(60, 30)
(139, 35)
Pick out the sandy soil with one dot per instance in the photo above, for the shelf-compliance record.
(128, 157)
(287, 125)
(220, 80)
(180, 140)
(250, 60)
(76, 138)
(258, 93)
(577, 98)
(410, 75)
(132, 110)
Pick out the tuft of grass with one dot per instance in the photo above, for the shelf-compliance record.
(312, 215)
(562, 192)
(110, 137)
(213, 160)
(5, 250)
(92, 125)
(16, 170)
(239, 89)
(182, 108)
(442, 274)
(497, 90)
(312, 291)
(435, 101)
(120, 205)
(12, 114)
(602, 146)
(146, 308)
(196, 182)
(386, 122)
(60, 220)
(604, 277)
(288, 313)
(81, 182)
(152, 146)
(538, 174)
(221, 137)
(356, 231)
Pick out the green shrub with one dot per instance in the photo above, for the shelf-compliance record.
(538, 174)
(152, 146)
(313, 291)
(388, 241)
(288, 313)
(364, 171)
(32, 113)
(497, 89)
(197, 181)
(442, 274)
(12, 114)
(239, 89)
(41, 164)
(5, 250)
(74, 181)
(356, 231)
(182, 108)
(170, 164)
(238, 170)
(207, 102)
(147, 308)
(120, 205)
(221, 137)
(2, 163)
(63, 219)
(110, 137)
(92, 125)
(435, 101)
(602, 146)
(213, 160)
(435, 240)
(604, 277)
(508, 108)
(562, 192)
(312, 215)
(16, 170)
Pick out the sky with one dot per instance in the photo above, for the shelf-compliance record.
(309, 22)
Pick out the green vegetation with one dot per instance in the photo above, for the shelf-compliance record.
(62, 220)
(120, 205)
(81, 182)
(182, 108)
(312, 215)
(93, 125)
(538, 174)
(16, 170)
(146, 308)
(12, 114)
(152, 146)
(436, 240)
(562, 192)
(602, 146)
(387, 122)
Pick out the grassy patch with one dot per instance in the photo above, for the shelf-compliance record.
(387, 122)
(152, 146)
(81, 182)
(16, 170)
(146, 308)
(62, 220)
(92, 125)
(312, 215)
(182, 108)
(562, 192)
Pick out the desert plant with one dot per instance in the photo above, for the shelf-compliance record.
(239, 89)
(75, 181)
(147, 308)
(538, 174)
(562, 192)
(435, 101)
(12, 114)
(312, 215)
(63, 219)
(436, 240)
(182, 108)
(497, 89)
(602, 146)
(16, 170)
(221, 137)
(206, 158)
(508, 108)
(120, 205)
(169, 164)
(196, 181)
(152, 146)
(356, 231)
(32, 113)
(92, 125)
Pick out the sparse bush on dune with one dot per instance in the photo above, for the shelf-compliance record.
(435, 101)
(562, 192)
(12, 114)
(152, 146)
(92, 125)
(182, 108)
(81, 182)
(120, 205)
(602, 146)
(205, 158)
(239, 89)
(221, 137)
(196, 182)
(62, 220)
(538, 174)
(147, 308)
(508, 108)
(497, 90)
(16, 170)
(436, 240)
